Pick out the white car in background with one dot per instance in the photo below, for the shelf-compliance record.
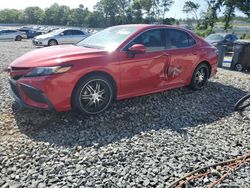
(60, 36)
(8, 34)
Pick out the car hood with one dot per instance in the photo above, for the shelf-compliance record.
(213, 41)
(44, 36)
(56, 55)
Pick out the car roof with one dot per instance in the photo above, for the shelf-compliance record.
(152, 26)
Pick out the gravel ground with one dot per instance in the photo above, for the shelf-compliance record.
(142, 142)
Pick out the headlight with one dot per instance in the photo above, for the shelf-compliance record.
(44, 71)
(215, 43)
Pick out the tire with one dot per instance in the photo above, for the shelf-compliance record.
(200, 77)
(93, 95)
(238, 67)
(242, 103)
(18, 38)
(52, 42)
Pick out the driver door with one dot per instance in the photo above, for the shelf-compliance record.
(66, 38)
(143, 73)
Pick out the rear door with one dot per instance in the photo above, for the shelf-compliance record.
(77, 36)
(183, 57)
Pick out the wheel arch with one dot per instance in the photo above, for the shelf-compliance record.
(97, 73)
(51, 40)
(208, 65)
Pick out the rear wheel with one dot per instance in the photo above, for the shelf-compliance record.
(93, 95)
(18, 38)
(52, 42)
(200, 77)
(238, 67)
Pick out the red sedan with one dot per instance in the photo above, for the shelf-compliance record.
(117, 63)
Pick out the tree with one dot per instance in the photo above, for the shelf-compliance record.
(244, 6)
(191, 8)
(10, 16)
(166, 4)
(136, 12)
(229, 13)
(95, 19)
(78, 17)
(109, 9)
(34, 15)
(211, 15)
(57, 15)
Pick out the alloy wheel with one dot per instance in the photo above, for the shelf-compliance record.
(52, 43)
(201, 77)
(95, 96)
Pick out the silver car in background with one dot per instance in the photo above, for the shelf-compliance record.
(60, 36)
(8, 34)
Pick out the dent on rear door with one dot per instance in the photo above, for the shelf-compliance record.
(181, 65)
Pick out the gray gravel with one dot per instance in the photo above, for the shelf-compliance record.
(142, 142)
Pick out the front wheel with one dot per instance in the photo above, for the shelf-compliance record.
(200, 77)
(93, 95)
(52, 42)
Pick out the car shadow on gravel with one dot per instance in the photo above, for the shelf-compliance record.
(174, 110)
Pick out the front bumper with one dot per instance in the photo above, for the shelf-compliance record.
(29, 97)
(39, 42)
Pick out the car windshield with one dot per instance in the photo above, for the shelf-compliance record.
(108, 39)
(215, 37)
(56, 32)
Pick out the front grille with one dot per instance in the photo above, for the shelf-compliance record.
(14, 89)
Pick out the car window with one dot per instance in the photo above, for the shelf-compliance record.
(67, 32)
(153, 40)
(178, 39)
(77, 32)
(228, 37)
(11, 31)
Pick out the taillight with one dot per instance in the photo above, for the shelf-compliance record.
(216, 51)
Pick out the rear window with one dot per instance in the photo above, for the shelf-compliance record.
(178, 39)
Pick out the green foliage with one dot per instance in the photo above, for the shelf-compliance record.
(244, 6)
(245, 36)
(10, 16)
(108, 12)
(204, 33)
(191, 8)
(229, 13)
(33, 15)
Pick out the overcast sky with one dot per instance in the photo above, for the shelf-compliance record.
(175, 11)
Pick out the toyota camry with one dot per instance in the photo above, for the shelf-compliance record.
(116, 63)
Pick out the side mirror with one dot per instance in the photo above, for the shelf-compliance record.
(137, 49)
